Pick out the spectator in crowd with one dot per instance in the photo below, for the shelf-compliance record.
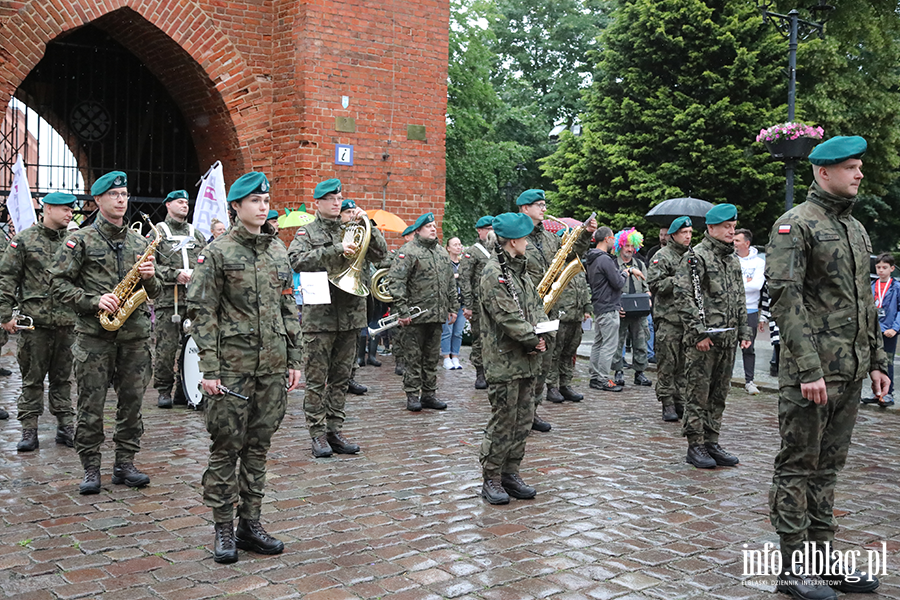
(753, 268)
(886, 291)
(451, 336)
(627, 243)
(606, 281)
(217, 228)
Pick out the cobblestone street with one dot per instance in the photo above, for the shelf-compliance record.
(619, 514)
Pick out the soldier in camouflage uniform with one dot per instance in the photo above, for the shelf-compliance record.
(817, 272)
(89, 266)
(470, 266)
(330, 331)
(542, 247)
(421, 276)
(45, 351)
(245, 323)
(512, 350)
(4, 337)
(712, 271)
(176, 258)
(670, 377)
(398, 334)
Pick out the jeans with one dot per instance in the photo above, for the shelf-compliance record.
(451, 337)
(651, 339)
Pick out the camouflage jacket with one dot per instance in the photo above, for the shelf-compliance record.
(575, 301)
(817, 274)
(241, 305)
(661, 281)
(421, 276)
(507, 338)
(170, 262)
(542, 247)
(640, 285)
(25, 278)
(318, 247)
(92, 262)
(722, 289)
(470, 266)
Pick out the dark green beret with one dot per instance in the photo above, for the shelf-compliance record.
(273, 214)
(113, 179)
(348, 203)
(59, 199)
(529, 197)
(837, 150)
(680, 223)
(421, 221)
(176, 195)
(408, 230)
(486, 221)
(721, 213)
(329, 186)
(253, 182)
(513, 226)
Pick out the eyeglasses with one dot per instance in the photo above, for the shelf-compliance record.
(118, 195)
(541, 205)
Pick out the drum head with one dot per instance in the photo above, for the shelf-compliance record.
(190, 372)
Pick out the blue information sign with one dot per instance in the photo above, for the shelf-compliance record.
(343, 154)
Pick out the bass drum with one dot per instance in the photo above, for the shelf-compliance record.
(190, 373)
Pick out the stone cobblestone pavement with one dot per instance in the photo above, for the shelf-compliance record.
(619, 514)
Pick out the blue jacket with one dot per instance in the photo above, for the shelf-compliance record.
(891, 306)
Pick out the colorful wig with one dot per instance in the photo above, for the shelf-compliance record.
(635, 237)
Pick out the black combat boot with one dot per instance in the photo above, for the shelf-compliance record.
(340, 444)
(641, 379)
(538, 424)
(164, 400)
(668, 413)
(354, 387)
(91, 482)
(65, 435)
(225, 550)
(399, 369)
(804, 588)
(361, 351)
(320, 447)
(857, 582)
(570, 394)
(554, 396)
(699, 457)
(178, 398)
(679, 410)
(373, 353)
(493, 492)
(480, 381)
(430, 401)
(620, 378)
(29, 441)
(3, 414)
(413, 403)
(251, 536)
(722, 458)
(517, 488)
(128, 474)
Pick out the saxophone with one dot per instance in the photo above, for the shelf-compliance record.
(559, 274)
(129, 300)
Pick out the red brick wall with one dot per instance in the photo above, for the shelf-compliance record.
(261, 81)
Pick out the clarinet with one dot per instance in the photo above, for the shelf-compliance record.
(698, 295)
(504, 270)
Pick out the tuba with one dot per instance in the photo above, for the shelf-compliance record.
(350, 279)
(380, 289)
(559, 274)
(129, 299)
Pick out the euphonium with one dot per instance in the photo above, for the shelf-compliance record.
(350, 279)
(129, 299)
(559, 274)
(380, 289)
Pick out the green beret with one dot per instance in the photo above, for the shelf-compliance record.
(408, 230)
(486, 221)
(529, 197)
(837, 150)
(176, 195)
(680, 223)
(59, 199)
(273, 214)
(721, 213)
(421, 221)
(347, 204)
(329, 186)
(513, 226)
(113, 179)
(253, 182)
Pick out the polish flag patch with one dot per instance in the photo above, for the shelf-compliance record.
(200, 259)
(14, 244)
(401, 255)
(784, 229)
(70, 243)
(301, 232)
(655, 261)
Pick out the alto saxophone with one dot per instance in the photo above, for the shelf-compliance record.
(559, 274)
(129, 299)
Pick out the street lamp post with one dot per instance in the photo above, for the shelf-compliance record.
(795, 29)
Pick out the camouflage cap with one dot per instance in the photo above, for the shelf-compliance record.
(721, 213)
(253, 182)
(837, 150)
(176, 195)
(59, 199)
(329, 186)
(680, 223)
(113, 179)
(513, 226)
(485, 221)
(529, 197)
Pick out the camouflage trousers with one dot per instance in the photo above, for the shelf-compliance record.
(708, 376)
(167, 351)
(421, 353)
(475, 332)
(671, 383)
(241, 429)
(563, 366)
(512, 413)
(46, 352)
(639, 331)
(127, 364)
(328, 357)
(548, 365)
(814, 444)
(398, 344)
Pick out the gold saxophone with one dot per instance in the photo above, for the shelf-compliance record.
(559, 274)
(129, 300)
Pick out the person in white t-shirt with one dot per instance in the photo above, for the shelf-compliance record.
(753, 267)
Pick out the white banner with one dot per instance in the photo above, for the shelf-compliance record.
(211, 201)
(19, 203)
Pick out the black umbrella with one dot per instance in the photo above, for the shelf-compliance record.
(668, 210)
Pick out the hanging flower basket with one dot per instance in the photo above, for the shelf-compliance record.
(790, 140)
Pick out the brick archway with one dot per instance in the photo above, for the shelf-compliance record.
(179, 43)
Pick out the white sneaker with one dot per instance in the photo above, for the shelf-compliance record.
(448, 363)
(751, 389)
(456, 364)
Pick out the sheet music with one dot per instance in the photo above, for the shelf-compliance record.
(546, 327)
(314, 287)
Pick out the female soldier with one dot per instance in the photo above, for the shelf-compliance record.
(246, 328)
(510, 309)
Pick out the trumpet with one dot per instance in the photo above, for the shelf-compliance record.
(380, 289)
(350, 279)
(391, 321)
(26, 321)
